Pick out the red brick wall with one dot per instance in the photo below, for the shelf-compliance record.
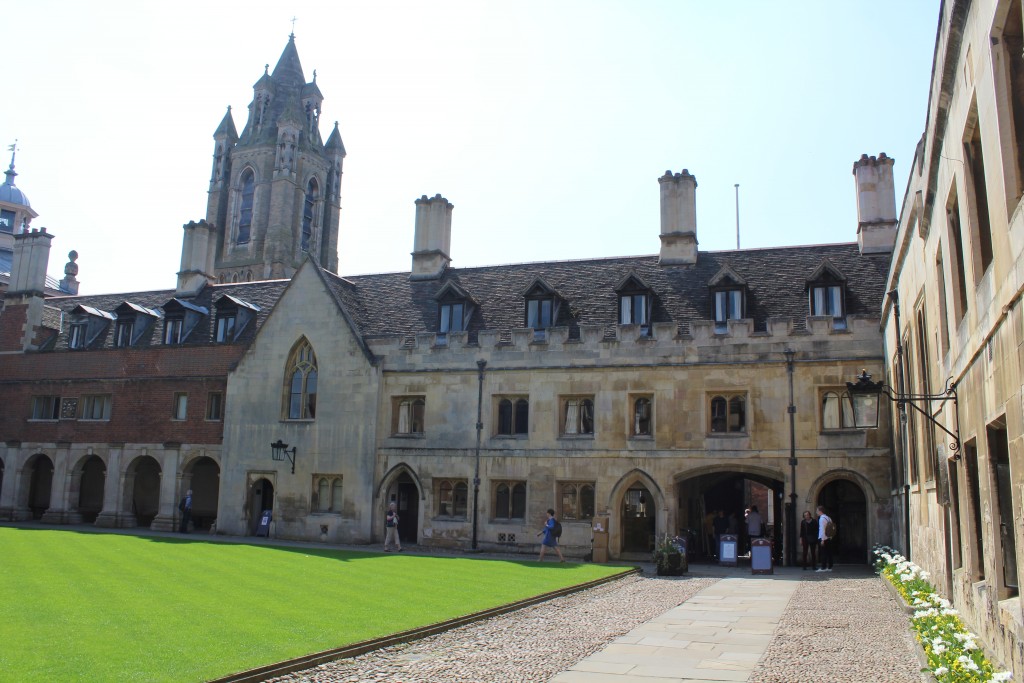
(12, 322)
(141, 382)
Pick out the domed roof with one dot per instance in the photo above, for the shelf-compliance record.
(9, 193)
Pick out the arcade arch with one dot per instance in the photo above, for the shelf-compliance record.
(201, 475)
(142, 489)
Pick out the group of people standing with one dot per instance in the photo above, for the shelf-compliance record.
(752, 527)
(817, 536)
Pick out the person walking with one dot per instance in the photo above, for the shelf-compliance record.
(809, 539)
(754, 525)
(391, 529)
(826, 532)
(185, 507)
(550, 540)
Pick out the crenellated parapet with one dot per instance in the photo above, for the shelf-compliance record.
(598, 345)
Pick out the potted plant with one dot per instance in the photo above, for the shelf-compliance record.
(669, 558)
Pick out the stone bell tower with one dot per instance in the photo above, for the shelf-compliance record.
(275, 190)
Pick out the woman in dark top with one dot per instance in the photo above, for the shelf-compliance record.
(809, 538)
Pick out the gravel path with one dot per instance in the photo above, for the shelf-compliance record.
(841, 629)
(532, 644)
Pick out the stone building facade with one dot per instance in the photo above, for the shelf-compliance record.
(641, 393)
(958, 275)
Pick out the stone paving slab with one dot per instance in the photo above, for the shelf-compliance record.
(722, 633)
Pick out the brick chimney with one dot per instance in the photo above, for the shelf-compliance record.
(876, 204)
(198, 248)
(433, 239)
(22, 320)
(678, 219)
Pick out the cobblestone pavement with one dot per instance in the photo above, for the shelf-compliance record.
(529, 645)
(841, 628)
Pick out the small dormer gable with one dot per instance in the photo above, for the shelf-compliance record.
(727, 277)
(133, 323)
(542, 308)
(87, 325)
(455, 308)
(180, 319)
(826, 293)
(728, 297)
(636, 301)
(233, 316)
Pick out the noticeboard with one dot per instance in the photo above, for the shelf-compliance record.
(728, 549)
(761, 556)
(264, 527)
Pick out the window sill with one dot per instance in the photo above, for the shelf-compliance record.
(447, 518)
(415, 435)
(727, 435)
(210, 419)
(576, 437)
(511, 520)
(840, 431)
(325, 513)
(309, 420)
(84, 419)
(641, 437)
(510, 437)
(43, 419)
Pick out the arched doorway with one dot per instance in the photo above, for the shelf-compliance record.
(142, 484)
(202, 476)
(638, 518)
(261, 497)
(40, 472)
(404, 492)
(701, 497)
(845, 503)
(90, 488)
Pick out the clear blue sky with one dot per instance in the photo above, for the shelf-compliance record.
(546, 123)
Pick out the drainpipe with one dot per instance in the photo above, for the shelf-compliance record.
(791, 511)
(480, 364)
(902, 406)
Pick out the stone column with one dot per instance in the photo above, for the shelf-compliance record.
(167, 512)
(60, 484)
(113, 485)
(8, 487)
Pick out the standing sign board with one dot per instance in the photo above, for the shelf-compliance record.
(761, 556)
(728, 549)
(264, 528)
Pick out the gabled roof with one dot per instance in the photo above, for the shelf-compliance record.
(726, 276)
(89, 310)
(826, 270)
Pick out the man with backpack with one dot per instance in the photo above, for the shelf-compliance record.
(552, 531)
(826, 536)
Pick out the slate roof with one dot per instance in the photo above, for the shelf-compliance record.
(262, 294)
(776, 280)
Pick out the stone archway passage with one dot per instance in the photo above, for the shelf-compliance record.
(701, 497)
(845, 503)
(40, 484)
(90, 488)
(145, 498)
(202, 476)
(406, 494)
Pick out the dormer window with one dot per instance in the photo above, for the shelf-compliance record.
(541, 309)
(728, 306)
(181, 318)
(233, 315)
(76, 335)
(454, 311)
(87, 325)
(826, 293)
(635, 302)
(123, 332)
(248, 186)
(728, 298)
(827, 300)
(133, 321)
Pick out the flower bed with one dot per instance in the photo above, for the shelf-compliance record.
(952, 651)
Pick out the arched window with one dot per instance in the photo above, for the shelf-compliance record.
(728, 414)
(301, 383)
(245, 209)
(836, 411)
(510, 500)
(513, 416)
(323, 495)
(452, 498)
(308, 209)
(248, 276)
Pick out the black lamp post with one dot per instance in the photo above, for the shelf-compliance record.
(791, 507)
(480, 365)
(279, 451)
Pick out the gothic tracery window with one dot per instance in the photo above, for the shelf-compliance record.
(308, 211)
(248, 184)
(301, 380)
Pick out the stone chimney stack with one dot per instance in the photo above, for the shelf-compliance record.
(876, 204)
(21, 325)
(198, 249)
(678, 219)
(433, 239)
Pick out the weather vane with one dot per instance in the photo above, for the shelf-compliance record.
(294, 19)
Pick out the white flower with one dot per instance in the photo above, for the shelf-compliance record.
(1001, 676)
(939, 649)
(941, 670)
(970, 645)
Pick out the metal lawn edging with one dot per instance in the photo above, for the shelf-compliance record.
(288, 666)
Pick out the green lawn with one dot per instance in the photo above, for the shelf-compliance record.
(105, 607)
